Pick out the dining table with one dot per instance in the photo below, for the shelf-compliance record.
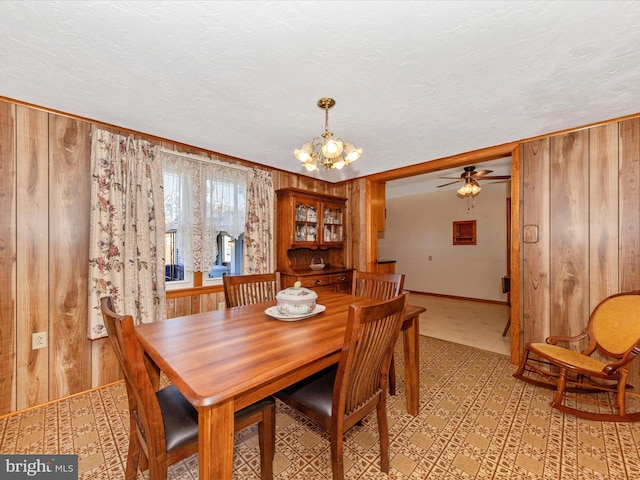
(225, 360)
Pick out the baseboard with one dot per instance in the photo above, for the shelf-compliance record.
(455, 297)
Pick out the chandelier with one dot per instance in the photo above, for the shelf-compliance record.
(470, 188)
(327, 150)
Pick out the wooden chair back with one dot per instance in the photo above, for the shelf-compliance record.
(249, 289)
(340, 396)
(381, 286)
(361, 378)
(614, 325)
(147, 430)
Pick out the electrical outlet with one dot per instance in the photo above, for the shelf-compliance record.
(38, 340)
(221, 305)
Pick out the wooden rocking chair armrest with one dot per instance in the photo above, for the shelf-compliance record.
(553, 340)
(630, 355)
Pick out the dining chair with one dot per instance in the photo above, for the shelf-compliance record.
(342, 395)
(163, 424)
(249, 289)
(612, 339)
(380, 286)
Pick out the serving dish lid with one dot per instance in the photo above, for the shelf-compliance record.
(296, 293)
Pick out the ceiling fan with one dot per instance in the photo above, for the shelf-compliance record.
(470, 176)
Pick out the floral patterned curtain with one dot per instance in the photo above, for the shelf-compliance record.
(258, 233)
(127, 230)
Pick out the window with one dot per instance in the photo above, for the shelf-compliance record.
(229, 258)
(205, 206)
(173, 269)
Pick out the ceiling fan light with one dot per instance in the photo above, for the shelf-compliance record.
(475, 189)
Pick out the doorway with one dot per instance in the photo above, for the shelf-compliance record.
(512, 235)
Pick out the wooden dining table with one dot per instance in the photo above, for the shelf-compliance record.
(224, 360)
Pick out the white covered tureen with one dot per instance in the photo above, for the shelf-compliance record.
(296, 300)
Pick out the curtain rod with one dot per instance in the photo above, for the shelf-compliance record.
(199, 158)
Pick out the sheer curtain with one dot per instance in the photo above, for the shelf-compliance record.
(127, 230)
(258, 235)
(202, 199)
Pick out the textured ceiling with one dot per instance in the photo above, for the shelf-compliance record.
(413, 81)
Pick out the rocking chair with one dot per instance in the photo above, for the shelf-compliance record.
(614, 332)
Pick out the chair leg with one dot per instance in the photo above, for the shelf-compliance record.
(158, 467)
(337, 454)
(392, 376)
(383, 433)
(506, 328)
(525, 357)
(267, 441)
(133, 455)
(562, 384)
(622, 385)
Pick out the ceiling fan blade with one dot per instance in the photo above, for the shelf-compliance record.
(452, 178)
(450, 183)
(480, 173)
(497, 177)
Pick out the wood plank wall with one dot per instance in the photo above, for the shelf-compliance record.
(45, 187)
(582, 191)
(7, 258)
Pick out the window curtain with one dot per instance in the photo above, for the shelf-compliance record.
(258, 233)
(127, 230)
(202, 199)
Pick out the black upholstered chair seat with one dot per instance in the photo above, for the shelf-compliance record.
(314, 392)
(181, 426)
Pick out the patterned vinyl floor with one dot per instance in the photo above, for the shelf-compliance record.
(475, 422)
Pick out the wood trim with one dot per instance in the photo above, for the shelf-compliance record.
(483, 155)
(516, 254)
(193, 291)
(455, 297)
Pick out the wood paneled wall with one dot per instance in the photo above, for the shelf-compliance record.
(582, 191)
(45, 188)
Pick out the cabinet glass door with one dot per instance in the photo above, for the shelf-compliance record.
(332, 223)
(306, 222)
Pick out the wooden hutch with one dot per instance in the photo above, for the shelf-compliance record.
(311, 230)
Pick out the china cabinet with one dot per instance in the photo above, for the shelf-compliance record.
(310, 232)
